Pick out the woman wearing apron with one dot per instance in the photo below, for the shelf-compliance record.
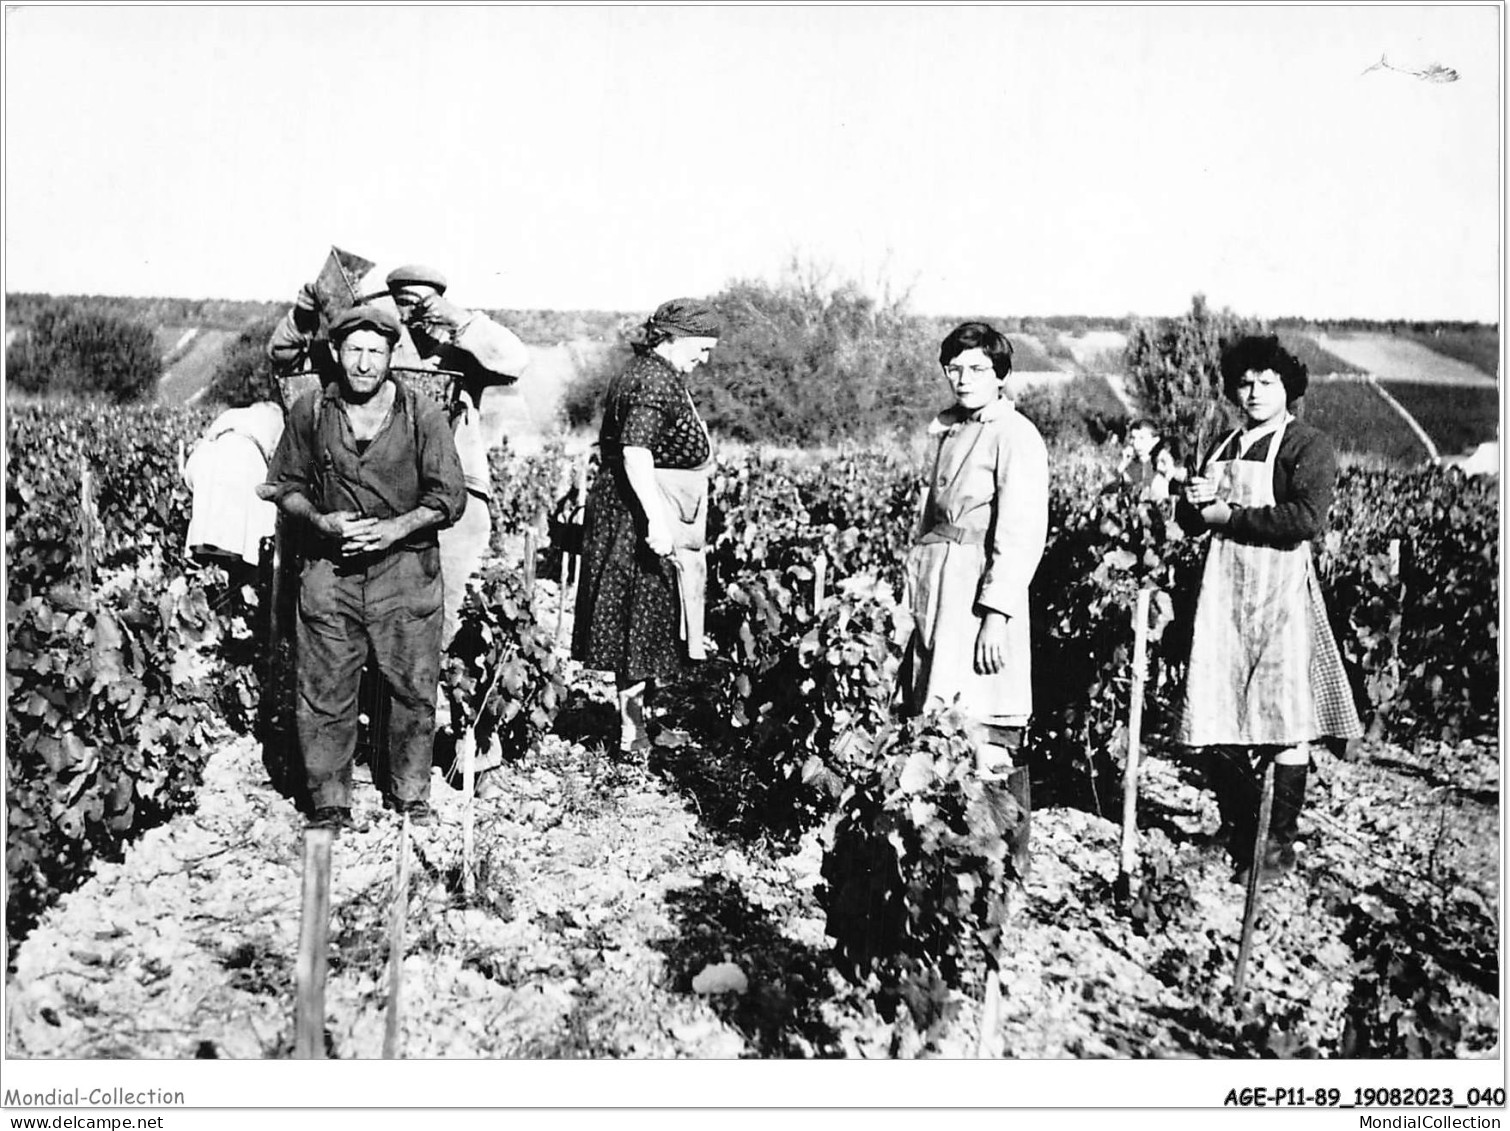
(639, 603)
(1265, 676)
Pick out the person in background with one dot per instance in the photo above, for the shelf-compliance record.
(984, 525)
(1169, 473)
(486, 358)
(370, 468)
(640, 597)
(1136, 468)
(1265, 676)
(227, 520)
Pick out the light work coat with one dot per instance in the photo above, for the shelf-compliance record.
(982, 532)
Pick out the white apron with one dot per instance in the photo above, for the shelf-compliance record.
(684, 491)
(1264, 667)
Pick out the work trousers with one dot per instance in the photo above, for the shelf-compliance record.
(389, 609)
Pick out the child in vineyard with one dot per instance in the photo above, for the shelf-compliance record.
(984, 523)
(1265, 676)
(1136, 469)
(1169, 474)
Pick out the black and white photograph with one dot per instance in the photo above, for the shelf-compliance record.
(552, 551)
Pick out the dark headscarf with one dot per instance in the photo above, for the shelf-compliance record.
(684, 318)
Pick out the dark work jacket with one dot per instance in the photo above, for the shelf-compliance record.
(411, 462)
(1305, 475)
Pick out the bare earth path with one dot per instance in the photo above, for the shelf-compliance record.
(611, 922)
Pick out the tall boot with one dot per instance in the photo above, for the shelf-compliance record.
(1230, 775)
(1289, 796)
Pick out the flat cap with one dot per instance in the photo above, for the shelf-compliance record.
(364, 318)
(411, 274)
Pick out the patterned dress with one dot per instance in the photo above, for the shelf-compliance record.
(628, 614)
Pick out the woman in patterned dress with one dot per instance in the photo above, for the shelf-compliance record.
(1265, 676)
(631, 616)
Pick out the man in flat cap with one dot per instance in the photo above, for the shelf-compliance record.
(479, 358)
(484, 358)
(370, 469)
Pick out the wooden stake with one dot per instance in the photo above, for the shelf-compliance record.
(990, 1014)
(87, 525)
(990, 1006)
(398, 916)
(468, 793)
(1134, 737)
(561, 591)
(314, 939)
(1255, 882)
(820, 577)
(529, 564)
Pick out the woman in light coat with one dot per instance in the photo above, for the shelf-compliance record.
(984, 523)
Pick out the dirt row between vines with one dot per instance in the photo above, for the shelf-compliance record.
(610, 922)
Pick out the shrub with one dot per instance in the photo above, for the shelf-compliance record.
(801, 362)
(80, 352)
(1081, 409)
(244, 374)
(1173, 366)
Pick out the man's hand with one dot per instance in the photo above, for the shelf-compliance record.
(991, 644)
(307, 308)
(338, 524)
(441, 312)
(371, 535)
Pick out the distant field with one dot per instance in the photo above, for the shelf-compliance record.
(166, 338)
(544, 384)
(1029, 356)
(559, 327)
(1319, 362)
(1456, 417)
(1391, 357)
(1094, 348)
(1359, 420)
(1478, 346)
(191, 372)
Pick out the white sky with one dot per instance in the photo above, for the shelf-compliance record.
(1002, 160)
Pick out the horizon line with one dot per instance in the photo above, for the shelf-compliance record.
(1129, 315)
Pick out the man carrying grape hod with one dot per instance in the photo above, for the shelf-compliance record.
(371, 469)
(479, 357)
(479, 360)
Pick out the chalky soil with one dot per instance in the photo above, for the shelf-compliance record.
(608, 921)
